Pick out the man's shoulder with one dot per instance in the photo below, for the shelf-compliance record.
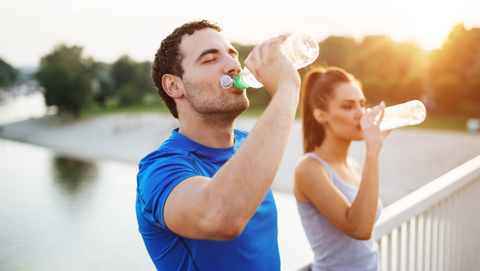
(240, 133)
(164, 154)
(165, 165)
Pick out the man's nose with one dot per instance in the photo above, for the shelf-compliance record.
(232, 66)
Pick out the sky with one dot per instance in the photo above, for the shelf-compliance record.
(108, 29)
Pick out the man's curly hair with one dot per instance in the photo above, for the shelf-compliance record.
(168, 58)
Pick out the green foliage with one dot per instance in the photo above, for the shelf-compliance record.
(131, 79)
(388, 71)
(394, 72)
(449, 93)
(123, 71)
(455, 72)
(129, 95)
(8, 74)
(338, 51)
(103, 83)
(67, 78)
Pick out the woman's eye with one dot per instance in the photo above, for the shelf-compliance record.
(210, 60)
(347, 106)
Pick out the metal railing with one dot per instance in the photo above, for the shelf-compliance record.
(435, 227)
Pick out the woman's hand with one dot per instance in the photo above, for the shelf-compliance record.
(370, 123)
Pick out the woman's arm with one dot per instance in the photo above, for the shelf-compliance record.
(313, 183)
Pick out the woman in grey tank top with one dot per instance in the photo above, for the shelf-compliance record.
(337, 201)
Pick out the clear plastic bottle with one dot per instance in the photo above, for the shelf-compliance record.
(409, 113)
(300, 48)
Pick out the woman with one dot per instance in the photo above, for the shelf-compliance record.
(337, 202)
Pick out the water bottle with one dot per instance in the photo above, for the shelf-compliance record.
(300, 48)
(409, 113)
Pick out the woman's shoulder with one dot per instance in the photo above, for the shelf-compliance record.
(308, 168)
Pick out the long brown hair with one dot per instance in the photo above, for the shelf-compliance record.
(317, 91)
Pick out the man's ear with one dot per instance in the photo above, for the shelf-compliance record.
(172, 85)
(320, 115)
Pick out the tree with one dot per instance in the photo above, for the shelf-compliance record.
(390, 71)
(131, 79)
(104, 87)
(8, 74)
(338, 51)
(67, 78)
(455, 72)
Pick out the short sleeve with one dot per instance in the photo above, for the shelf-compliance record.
(157, 177)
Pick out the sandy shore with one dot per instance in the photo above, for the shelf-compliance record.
(410, 157)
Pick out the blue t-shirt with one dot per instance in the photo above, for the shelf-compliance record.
(159, 172)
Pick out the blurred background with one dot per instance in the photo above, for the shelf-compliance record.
(75, 82)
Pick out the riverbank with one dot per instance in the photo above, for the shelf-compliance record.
(409, 159)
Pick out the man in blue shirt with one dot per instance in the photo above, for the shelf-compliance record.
(203, 197)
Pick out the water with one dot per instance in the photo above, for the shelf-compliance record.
(58, 213)
(23, 107)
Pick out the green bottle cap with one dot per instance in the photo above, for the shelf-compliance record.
(238, 83)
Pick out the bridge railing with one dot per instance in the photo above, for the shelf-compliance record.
(436, 227)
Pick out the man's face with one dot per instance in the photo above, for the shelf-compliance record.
(207, 56)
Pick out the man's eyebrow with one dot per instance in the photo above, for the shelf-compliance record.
(206, 52)
(215, 51)
(233, 51)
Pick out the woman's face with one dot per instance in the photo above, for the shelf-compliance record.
(344, 112)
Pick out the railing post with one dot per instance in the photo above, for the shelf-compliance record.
(420, 238)
(441, 236)
(413, 238)
(404, 246)
(434, 239)
(448, 233)
(428, 240)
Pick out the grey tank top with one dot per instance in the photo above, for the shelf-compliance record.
(334, 250)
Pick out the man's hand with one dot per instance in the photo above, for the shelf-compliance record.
(268, 64)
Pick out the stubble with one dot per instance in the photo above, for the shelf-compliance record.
(214, 104)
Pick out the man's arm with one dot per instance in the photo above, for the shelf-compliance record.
(219, 208)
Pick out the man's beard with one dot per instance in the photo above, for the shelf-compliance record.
(214, 105)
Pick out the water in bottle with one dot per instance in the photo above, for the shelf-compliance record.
(409, 113)
(300, 48)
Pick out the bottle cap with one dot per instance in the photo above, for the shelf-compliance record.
(226, 81)
(238, 83)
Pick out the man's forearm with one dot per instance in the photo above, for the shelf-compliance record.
(246, 178)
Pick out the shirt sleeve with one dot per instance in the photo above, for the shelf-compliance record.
(157, 177)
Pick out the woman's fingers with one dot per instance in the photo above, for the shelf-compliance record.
(386, 132)
(381, 107)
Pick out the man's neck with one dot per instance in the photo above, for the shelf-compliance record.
(215, 135)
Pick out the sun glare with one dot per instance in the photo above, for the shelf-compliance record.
(431, 20)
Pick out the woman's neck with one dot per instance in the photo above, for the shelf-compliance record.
(333, 150)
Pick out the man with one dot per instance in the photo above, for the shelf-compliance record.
(204, 202)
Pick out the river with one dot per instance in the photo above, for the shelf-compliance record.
(58, 213)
